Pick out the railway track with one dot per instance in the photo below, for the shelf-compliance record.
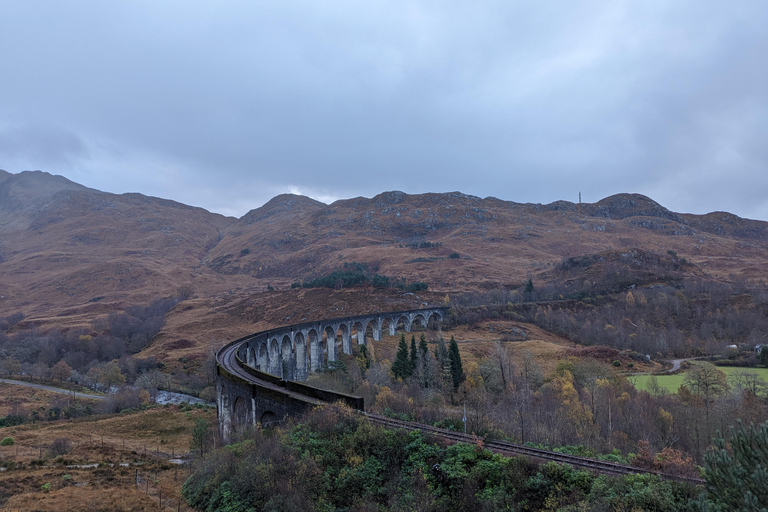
(511, 449)
(227, 359)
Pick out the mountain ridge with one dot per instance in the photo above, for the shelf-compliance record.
(69, 250)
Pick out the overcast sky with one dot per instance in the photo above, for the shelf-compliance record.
(225, 104)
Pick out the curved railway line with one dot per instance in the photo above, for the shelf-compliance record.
(228, 360)
(511, 449)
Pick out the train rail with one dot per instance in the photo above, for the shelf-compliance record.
(511, 449)
(227, 359)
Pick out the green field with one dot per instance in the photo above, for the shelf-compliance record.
(672, 382)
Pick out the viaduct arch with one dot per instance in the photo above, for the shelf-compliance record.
(261, 376)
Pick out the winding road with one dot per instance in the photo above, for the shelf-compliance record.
(69, 392)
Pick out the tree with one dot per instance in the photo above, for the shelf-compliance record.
(529, 287)
(401, 368)
(110, 374)
(424, 370)
(61, 371)
(11, 366)
(764, 355)
(457, 371)
(199, 435)
(363, 360)
(505, 363)
(414, 354)
(736, 477)
(423, 348)
(706, 381)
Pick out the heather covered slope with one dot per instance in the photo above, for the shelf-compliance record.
(68, 250)
(455, 241)
(69, 253)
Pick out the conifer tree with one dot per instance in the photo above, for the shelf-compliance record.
(363, 360)
(401, 368)
(414, 355)
(736, 477)
(457, 371)
(423, 348)
(444, 364)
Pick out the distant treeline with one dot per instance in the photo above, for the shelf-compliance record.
(358, 274)
(686, 318)
(99, 357)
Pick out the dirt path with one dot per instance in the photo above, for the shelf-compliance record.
(676, 365)
(52, 389)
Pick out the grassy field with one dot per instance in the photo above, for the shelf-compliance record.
(672, 382)
(112, 462)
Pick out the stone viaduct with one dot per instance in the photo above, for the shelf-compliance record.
(260, 376)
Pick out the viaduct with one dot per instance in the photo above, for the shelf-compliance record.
(261, 376)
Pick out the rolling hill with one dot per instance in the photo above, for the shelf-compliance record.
(69, 254)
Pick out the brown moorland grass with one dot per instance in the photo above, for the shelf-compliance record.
(20, 399)
(121, 446)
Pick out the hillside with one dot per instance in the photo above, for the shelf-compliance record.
(69, 254)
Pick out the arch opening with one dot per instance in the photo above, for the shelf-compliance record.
(240, 414)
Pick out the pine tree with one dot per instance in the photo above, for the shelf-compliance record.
(401, 368)
(363, 360)
(529, 286)
(736, 478)
(457, 371)
(425, 374)
(414, 355)
(444, 364)
(423, 348)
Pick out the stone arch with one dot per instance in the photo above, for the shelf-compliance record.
(275, 364)
(250, 352)
(240, 413)
(263, 357)
(403, 319)
(390, 325)
(269, 419)
(315, 362)
(301, 356)
(287, 360)
(435, 319)
(372, 331)
(359, 328)
(419, 319)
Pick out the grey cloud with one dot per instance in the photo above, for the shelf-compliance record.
(46, 145)
(528, 102)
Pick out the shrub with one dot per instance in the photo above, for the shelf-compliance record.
(454, 256)
(61, 446)
(7, 441)
(617, 363)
